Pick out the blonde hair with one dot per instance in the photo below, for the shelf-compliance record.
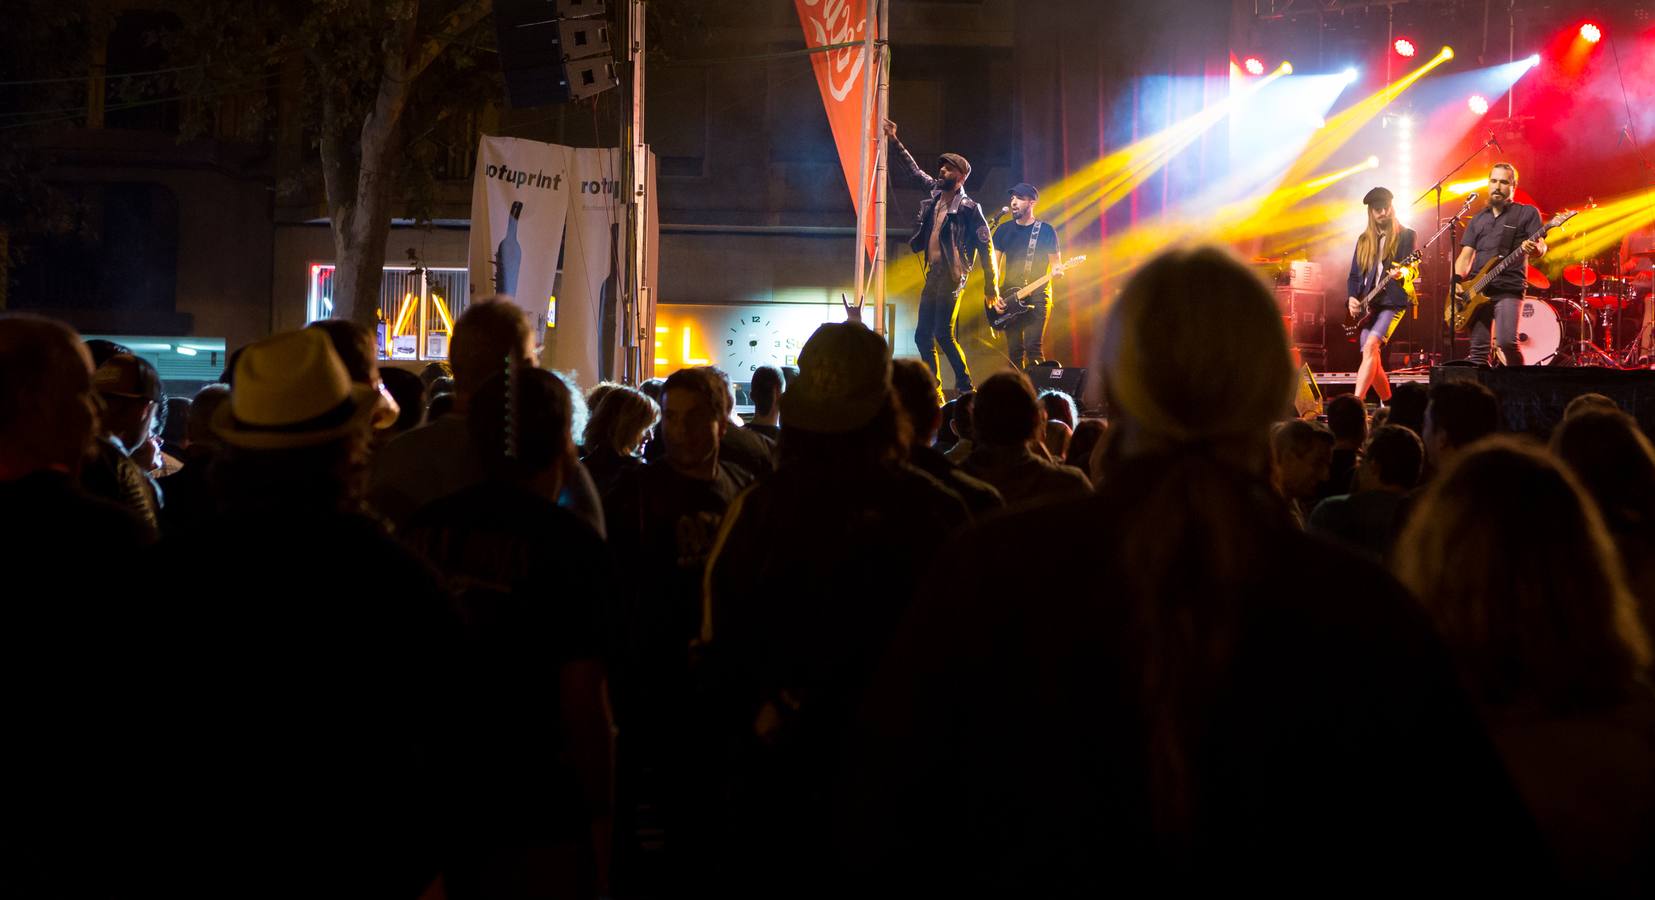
(1196, 367)
(1174, 342)
(619, 419)
(1524, 629)
(1367, 246)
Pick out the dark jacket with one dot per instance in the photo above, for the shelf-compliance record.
(1360, 282)
(965, 233)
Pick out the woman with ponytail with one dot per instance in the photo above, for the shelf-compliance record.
(1211, 700)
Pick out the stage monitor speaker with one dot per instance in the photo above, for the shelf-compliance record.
(1054, 376)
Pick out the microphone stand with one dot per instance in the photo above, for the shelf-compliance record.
(1451, 304)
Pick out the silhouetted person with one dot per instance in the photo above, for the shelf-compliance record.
(532, 586)
(296, 706)
(1460, 414)
(766, 390)
(1550, 646)
(916, 392)
(1187, 712)
(809, 578)
(1007, 421)
(1369, 518)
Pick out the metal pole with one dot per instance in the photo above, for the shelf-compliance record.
(862, 210)
(634, 283)
(882, 161)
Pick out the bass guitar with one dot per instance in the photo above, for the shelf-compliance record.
(1365, 315)
(1012, 297)
(1472, 293)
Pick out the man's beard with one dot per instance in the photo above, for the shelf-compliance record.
(950, 181)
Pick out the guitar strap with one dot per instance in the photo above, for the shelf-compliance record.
(1028, 261)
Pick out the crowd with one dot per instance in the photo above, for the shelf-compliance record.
(331, 628)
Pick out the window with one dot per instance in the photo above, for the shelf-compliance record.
(417, 308)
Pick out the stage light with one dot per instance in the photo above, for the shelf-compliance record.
(1253, 65)
(1286, 68)
(1351, 75)
(1591, 33)
(1371, 162)
(1446, 53)
(1478, 104)
(1404, 48)
(1533, 60)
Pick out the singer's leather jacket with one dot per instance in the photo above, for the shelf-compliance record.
(964, 232)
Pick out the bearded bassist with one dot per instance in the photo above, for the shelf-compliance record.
(1382, 243)
(1501, 227)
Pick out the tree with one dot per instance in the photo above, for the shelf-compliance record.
(379, 76)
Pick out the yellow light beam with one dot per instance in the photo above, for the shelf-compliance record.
(1340, 129)
(1598, 229)
(1118, 167)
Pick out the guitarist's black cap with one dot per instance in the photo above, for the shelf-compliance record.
(1025, 190)
(1377, 197)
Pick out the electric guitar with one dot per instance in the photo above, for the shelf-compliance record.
(1365, 315)
(1013, 298)
(1472, 294)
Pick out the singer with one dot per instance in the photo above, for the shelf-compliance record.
(949, 235)
(1026, 249)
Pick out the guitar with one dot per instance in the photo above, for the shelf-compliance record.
(1013, 297)
(1472, 292)
(1365, 315)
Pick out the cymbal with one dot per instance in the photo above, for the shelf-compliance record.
(1537, 279)
(1579, 275)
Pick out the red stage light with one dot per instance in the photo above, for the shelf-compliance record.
(1404, 48)
(1478, 104)
(1253, 65)
(1591, 33)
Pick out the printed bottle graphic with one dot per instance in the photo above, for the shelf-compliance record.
(508, 257)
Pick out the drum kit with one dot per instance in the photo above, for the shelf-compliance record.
(1590, 318)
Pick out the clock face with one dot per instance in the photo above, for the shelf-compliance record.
(750, 340)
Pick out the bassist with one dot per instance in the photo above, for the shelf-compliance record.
(1027, 250)
(1493, 233)
(1383, 243)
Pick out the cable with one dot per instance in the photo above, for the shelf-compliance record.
(90, 75)
(1631, 133)
(59, 115)
(714, 61)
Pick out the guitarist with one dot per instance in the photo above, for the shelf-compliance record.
(1381, 244)
(950, 234)
(1493, 233)
(1026, 250)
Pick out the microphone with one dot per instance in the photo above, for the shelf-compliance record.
(1496, 142)
(1000, 215)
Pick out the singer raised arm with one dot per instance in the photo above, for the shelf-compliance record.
(914, 169)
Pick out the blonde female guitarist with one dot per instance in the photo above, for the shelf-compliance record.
(1494, 233)
(1381, 245)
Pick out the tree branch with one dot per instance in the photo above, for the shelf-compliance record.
(457, 23)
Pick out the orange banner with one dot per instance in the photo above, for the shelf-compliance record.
(839, 74)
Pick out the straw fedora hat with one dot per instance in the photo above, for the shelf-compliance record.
(290, 391)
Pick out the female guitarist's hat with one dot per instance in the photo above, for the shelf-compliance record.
(1377, 197)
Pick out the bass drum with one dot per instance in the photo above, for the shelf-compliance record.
(1539, 333)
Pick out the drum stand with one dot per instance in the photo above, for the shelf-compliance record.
(1588, 353)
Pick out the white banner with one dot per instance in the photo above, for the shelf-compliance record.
(519, 200)
(590, 322)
